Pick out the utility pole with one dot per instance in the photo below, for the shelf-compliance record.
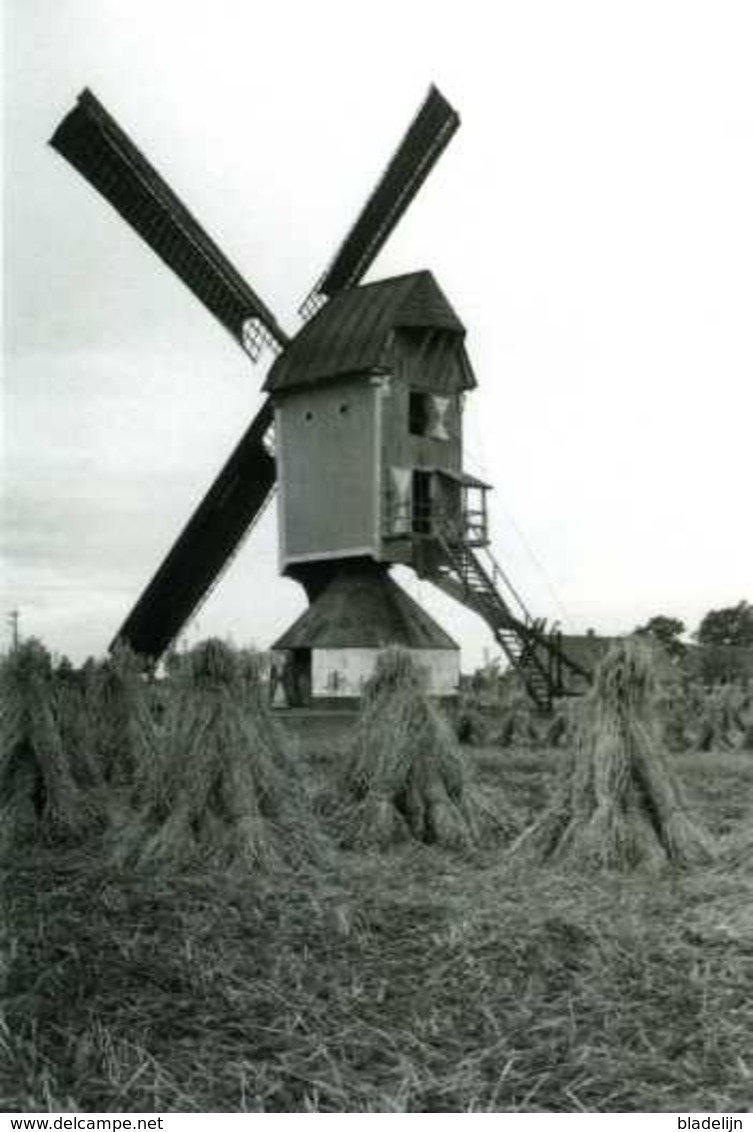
(13, 619)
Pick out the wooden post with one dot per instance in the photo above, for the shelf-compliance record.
(13, 619)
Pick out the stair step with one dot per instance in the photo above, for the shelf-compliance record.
(462, 570)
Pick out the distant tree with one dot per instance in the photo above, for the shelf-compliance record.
(171, 661)
(730, 626)
(89, 671)
(64, 669)
(666, 631)
(486, 678)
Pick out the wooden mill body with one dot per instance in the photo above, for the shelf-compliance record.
(368, 429)
(368, 403)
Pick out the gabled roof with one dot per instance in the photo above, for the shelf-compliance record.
(364, 608)
(586, 649)
(352, 332)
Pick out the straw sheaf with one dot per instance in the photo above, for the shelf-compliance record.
(404, 777)
(38, 794)
(124, 729)
(618, 805)
(224, 791)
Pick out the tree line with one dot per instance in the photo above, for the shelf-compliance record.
(720, 634)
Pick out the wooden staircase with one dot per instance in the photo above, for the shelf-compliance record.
(481, 585)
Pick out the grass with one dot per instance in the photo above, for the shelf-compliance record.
(417, 980)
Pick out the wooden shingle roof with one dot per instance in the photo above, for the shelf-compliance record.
(364, 608)
(353, 332)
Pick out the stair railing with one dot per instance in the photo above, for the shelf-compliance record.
(501, 580)
(537, 654)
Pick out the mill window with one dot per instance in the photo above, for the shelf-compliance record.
(418, 413)
(427, 415)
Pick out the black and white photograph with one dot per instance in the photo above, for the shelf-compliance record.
(376, 641)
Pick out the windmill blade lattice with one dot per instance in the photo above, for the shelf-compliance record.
(428, 135)
(91, 140)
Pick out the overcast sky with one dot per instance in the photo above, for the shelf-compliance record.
(591, 222)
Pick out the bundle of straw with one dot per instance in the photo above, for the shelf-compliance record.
(721, 724)
(122, 720)
(225, 792)
(518, 724)
(38, 795)
(77, 732)
(674, 711)
(746, 743)
(558, 732)
(403, 775)
(470, 725)
(618, 805)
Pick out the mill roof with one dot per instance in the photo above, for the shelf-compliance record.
(352, 332)
(364, 609)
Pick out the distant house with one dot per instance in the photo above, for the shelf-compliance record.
(710, 663)
(586, 649)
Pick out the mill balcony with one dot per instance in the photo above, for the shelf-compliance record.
(440, 504)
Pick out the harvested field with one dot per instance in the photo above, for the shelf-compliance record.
(416, 980)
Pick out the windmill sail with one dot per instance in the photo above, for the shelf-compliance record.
(426, 138)
(234, 501)
(94, 144)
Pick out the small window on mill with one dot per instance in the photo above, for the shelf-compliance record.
(418, 413)
(427, 416)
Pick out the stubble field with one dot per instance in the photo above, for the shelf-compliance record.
(416, 980)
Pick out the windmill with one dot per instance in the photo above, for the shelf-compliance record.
(361, 432)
